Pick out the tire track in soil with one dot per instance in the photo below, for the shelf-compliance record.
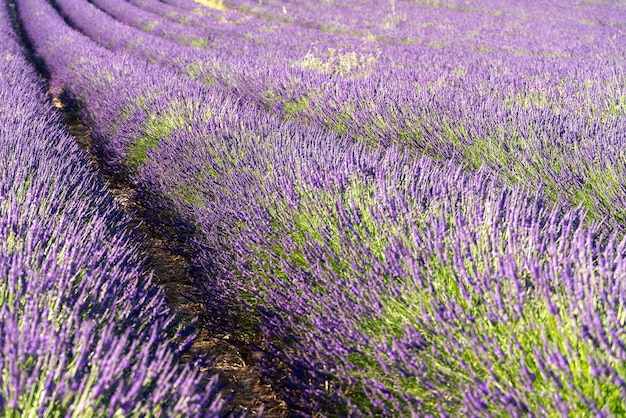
(234, 361)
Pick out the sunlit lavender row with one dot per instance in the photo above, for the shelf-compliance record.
(83, 331)
(383, 281)
(478, 83)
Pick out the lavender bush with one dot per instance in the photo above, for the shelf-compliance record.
(534, 112)
(386, 282)
(83, 331)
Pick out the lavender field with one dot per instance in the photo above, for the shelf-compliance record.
(409, 207)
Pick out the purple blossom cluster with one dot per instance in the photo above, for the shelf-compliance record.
(83, 331)
(384, 280)
(487, 89)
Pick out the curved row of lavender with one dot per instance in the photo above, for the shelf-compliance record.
(83, 331)
(382, 283)
(544, 113)
(217, 33)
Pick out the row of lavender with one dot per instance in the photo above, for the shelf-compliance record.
(407, 21)
(550, 114)
(382, 283)
(83, 332)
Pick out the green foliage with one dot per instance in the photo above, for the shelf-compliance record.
(212, 4)
(149, 26)
(292, 109)
(159, 127)
(344, 64)
(196, 42)
(508, 346)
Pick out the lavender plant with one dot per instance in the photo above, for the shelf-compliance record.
(394, 286)
(383, 283)
(83, 331)
(535, 113)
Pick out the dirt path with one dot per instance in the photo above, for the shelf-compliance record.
(234, 361)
